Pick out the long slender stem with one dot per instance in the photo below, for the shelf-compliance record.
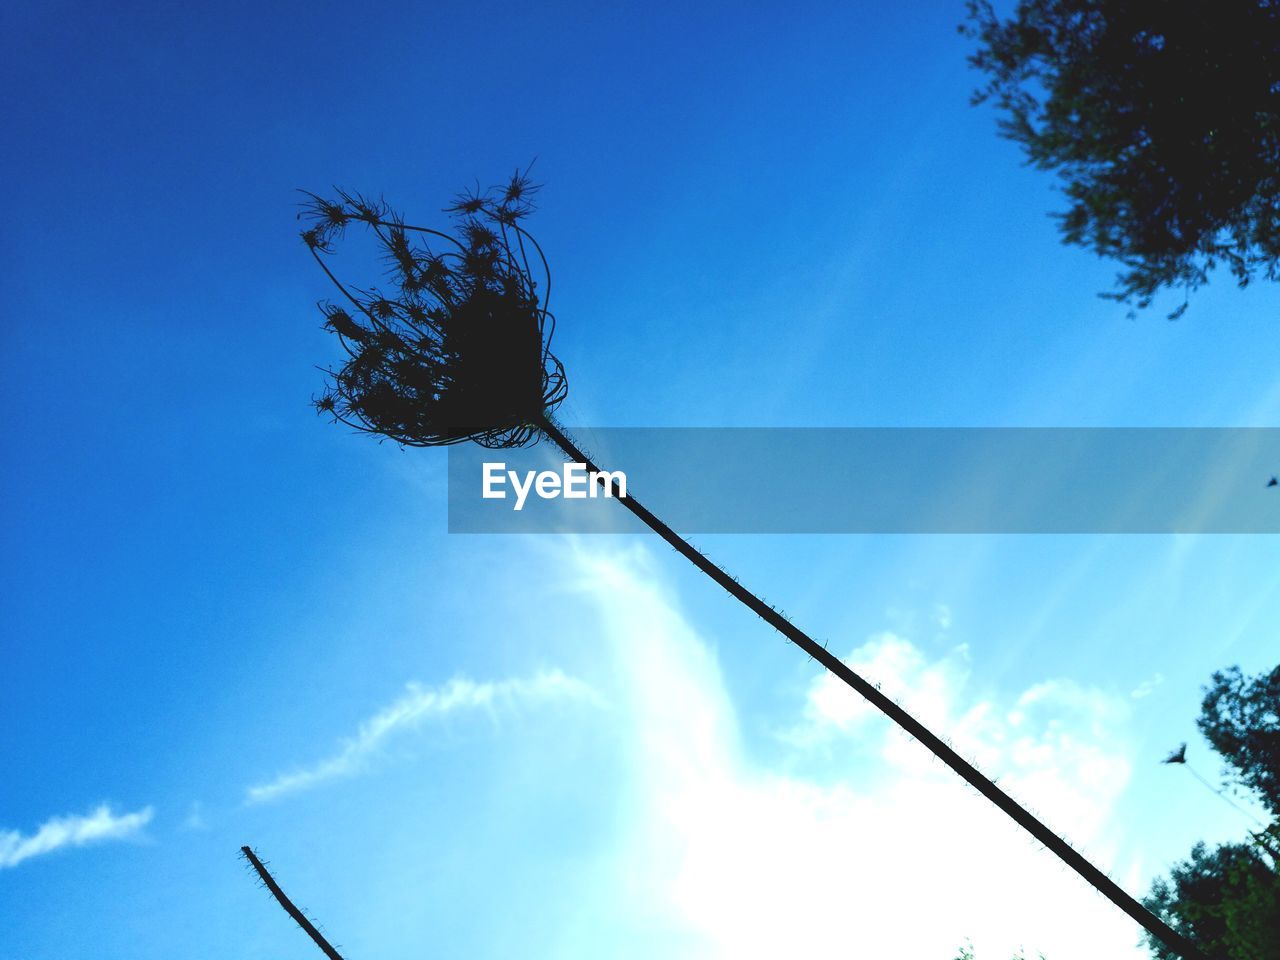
(1023, 817)
(289, 908)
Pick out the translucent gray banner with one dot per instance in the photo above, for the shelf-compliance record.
(881, 480)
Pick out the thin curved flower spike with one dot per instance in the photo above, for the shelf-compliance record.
(460, 349)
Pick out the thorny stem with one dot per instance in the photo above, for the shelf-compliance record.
(1023, 817)
(289, 908)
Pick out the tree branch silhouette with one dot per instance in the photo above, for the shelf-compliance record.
(1161, 121)
(462, 352)
(298, 916)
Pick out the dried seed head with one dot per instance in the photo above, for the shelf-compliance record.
(334, 213)
(340, 322)
(461, 351)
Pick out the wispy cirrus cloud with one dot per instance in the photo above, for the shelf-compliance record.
(1147, 687)
(418, 705)
(71, 830)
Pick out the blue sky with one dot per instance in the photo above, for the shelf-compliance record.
(537, 745)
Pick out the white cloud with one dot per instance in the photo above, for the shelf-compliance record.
(1053, 744)
(1147, 687)
(926, 689)
(900, 859)
(71, 831)
(942, 616)
(417, 705)
(194, 819)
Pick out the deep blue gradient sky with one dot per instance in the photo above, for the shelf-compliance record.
(756, 215)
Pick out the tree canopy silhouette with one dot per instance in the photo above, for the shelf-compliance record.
(1240, 717)
(1227, 899)
(1163, 122)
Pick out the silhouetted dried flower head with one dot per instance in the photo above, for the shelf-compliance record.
(460, 348)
